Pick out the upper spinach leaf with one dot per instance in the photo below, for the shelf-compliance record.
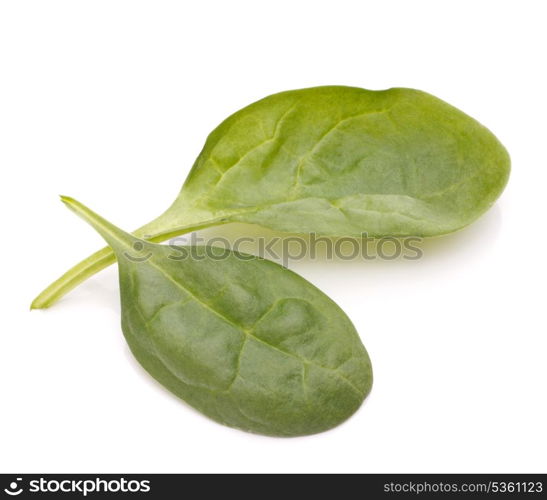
(336, 161)
(342, 161)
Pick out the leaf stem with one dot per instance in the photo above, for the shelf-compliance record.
(105, 257)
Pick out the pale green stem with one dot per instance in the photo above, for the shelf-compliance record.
(105, 257)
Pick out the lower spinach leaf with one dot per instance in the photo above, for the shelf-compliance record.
(245, 341)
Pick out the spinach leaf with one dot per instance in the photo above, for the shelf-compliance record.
(243, 340)
(336, 161)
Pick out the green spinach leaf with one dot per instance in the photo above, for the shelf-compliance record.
(336, 161)
(243, 340)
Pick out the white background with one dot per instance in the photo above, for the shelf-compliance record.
(110, 102)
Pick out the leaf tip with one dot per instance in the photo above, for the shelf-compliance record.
(35, 305)
(67, 200)
(71, 203)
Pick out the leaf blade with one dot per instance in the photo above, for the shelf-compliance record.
(243, 340)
